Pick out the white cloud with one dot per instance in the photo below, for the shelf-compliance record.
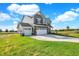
(16, 19)
(30, 9)
(9, 27)
(75, 9)
(15, 23)
(72, 9)
(67, 16)
(4, 16)
(13, 7)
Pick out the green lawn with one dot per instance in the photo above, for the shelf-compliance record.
(68, 33)
(16, 45)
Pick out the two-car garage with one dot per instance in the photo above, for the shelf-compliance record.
(27, 29)
(39, 31)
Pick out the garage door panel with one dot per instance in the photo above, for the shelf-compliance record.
(27, 31)
(41, 32)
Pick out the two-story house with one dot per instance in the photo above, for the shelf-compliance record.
(34, 25)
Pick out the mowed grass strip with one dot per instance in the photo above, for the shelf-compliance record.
(68, 33)
(16, 45)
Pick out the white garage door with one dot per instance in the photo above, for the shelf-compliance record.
(27, 31)
(41, 32)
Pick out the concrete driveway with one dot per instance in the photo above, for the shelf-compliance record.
(51, 37)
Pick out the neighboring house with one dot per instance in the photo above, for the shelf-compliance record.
(34, 25)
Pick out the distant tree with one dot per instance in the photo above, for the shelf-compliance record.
(56, 31)
(6, 30)
(15, 31)
(0, 30)
(68, 27)
(11, 30)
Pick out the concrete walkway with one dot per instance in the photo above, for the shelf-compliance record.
(51, 37)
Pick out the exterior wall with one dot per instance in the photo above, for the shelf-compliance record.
(44, 21)
(48, 21)
(29, 20)
(48, 30)
(22, 30)
(36, 19)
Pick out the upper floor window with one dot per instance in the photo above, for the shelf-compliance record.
(38, 19)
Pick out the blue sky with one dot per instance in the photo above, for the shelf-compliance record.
(61, 14)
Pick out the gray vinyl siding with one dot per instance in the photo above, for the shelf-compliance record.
(28, 20)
